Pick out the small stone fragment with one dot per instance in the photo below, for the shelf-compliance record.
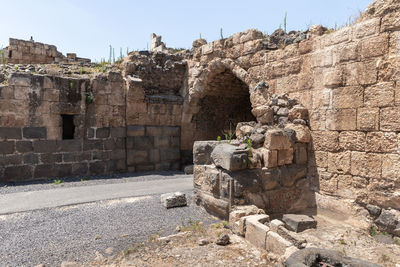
(203, 242)
(188, 169)
(172, 200)
(373, 210)
(223, 240)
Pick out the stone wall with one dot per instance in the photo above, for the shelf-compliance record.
(31, 52)
(348, 79)
(31, 126)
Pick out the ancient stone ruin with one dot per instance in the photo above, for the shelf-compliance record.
(290, 123)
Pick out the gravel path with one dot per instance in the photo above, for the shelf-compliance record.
(7, 188)
(75, 233)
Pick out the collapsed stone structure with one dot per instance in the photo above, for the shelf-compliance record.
(148, 115)
(31, 52)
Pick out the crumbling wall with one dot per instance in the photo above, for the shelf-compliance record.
(31, 139)
(348, 79)
(154, 83)
(31, 52)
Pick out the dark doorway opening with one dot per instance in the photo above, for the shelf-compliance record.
(10, 54)
(68, 126)
(226, 103)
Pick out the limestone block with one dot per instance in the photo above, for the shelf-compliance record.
(374, 46)
(256, 231)
(250, 35)
(274, 225)
(291, 174)
(298, 112)
(303, 134)
(366, 28)
(229, 157)
(291, 236)
(339, 162)
(276, 244)
(391, 22)
(276, 139)
(298, 222)
(172, 200)
(381, 142)
(366, 164)
(368, 119)
(300, 154)
(269, 157)
(215, 206)
(207, 48)
(333, 78)
(202, 152)
(341, 119)
(351, 140)
(389, 119)
(379, 95)
(206, 178)
(347, 97)
(270, 178)
(285, 156)
(244, 129)
(391, 166)
(264, 114)
(389, 221)
(325, 140)
(238, 216)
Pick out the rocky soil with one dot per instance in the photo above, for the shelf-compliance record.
(196, 245)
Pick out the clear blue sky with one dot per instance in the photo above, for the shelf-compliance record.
(88, 27)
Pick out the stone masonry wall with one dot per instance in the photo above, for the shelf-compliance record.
(349, 80)
(31, 144)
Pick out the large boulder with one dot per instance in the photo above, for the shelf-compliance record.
(389, 221)
(230, 157)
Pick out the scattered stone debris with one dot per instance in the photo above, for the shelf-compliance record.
(203, 242)
(223, 240)
(172, 200)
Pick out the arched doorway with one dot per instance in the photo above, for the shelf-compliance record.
(225, 102)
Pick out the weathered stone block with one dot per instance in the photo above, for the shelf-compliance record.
(256, 231)
(276, 244)
(18, 173)
(137, 157)
(390, 22)
(217, 207)
(103, 132)
(207, 179)
(285, 156)
(350, 140)
(202, 152)
(172, 200)
(264, 115)
(277, 140)
(389, 119)
(154, 130)
(34, 132)
(31, 158)
(171, 130)
(291, 174)
(339, 162)
(366, 164)
(382, 142)
(135, 130)
(269, 157)
(298, 222)
(368, 119)
(325, 140)
(374, 46)
(333, 78)
(140, 142)
(170, 154)
(389, 221)
(300, 154)
(7, 147)
(274, 225)
(341, 119)
(118, 132)
(379, 95)
(390, 166)
(69, 145)
(10, 133)
(303, 134)
(366, 28)
(92, 145)
(97, 167)
(347, 97)
(298, 112)
(229, 157)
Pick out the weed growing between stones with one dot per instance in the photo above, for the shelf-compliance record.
(58, 181)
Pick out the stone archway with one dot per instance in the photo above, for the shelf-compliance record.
(219, 99)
